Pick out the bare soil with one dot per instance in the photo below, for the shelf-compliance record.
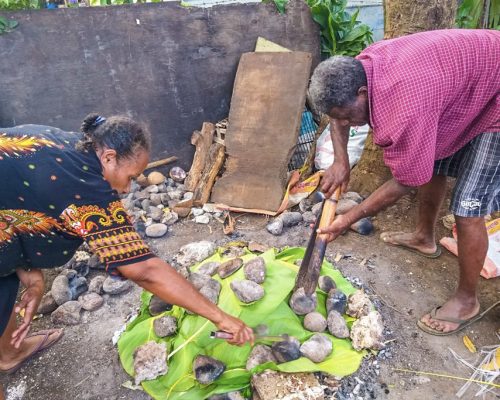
(85, 364)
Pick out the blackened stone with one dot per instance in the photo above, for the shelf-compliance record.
(207, 369)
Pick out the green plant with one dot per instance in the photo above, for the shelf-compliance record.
(341, 33)
(472, 14)
(20, 4)
(6, 25)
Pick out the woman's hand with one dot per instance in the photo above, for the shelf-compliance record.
(241, 333)
(30, 300)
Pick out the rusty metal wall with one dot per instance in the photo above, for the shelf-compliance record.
(170, 66)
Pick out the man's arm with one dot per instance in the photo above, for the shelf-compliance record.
(161, 279)
(338, 173)
(386, 195)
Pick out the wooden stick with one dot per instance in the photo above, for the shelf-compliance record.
(311, 264)
(207, 180)
(202, 140)
(161, 162)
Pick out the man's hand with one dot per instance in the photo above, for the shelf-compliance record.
(30, 300)
(241, 333)
(340, 224)
(337, 175)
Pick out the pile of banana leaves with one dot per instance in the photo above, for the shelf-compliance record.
(193, 335)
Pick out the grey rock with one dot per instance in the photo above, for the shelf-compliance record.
(337, 325)
(142, 195)
(336, 300)
(305, 205)
(316, 209)
(260, 354)
(113, 285)
(317, 348)
(315, 322)
(150, 361)
(207, 369)
(247, 291)
(367, 332)
(156, 213)
(309, 217)
(96, 284)
(176, 194)
(158, 306)
(188, 196)
(286, 350)
(209, 268)
(213, 284)
(145, 204)
(60, 290)
(47, 304)
(77, 286)
(69, 273)
(162, 188)
(229, 267)
(202, 219)
(198, 280)
(303, 304)
(255, 270)
(95, 263)
(165, 198)
(177, 174)
(151, 189)
(128, 204)
(90, 301)
(275, 227)
(195, 252)
(353, 196)
(291, 218)
(81, 268)
(67, 314)
(156, 230)
(326, 283)
(364, 226)
(155, 199)
(197, 211)
(210, 208)
(170, 218)
(345, 205)
(210, 293)
(165, 326)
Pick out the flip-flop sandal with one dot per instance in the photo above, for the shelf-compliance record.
(43, 345)
(462, 323)
(436, 254)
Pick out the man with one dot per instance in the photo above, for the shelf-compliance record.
(432, 99)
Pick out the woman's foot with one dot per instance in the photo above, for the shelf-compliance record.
(11, 360)
(411, 241)
(453, 309)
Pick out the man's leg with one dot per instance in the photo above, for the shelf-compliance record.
(472, 247)
(423, 239)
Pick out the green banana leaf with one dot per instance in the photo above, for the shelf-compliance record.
(193, 336)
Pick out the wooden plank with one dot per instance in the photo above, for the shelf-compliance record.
(202, 140)
(264, 120)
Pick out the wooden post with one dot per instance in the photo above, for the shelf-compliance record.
(212, 167)
(202, 140)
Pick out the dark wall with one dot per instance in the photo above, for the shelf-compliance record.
(170, 66)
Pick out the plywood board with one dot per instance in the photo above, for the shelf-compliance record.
(264, 120)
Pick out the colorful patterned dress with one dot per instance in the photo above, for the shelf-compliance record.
(53, 198)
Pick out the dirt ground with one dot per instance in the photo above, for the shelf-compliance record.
(85, 364)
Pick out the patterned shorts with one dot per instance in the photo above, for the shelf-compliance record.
(477, 169)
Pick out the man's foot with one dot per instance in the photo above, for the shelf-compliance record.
(411, 241)
(31, 346)
(451, 316)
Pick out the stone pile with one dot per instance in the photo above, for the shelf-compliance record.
(72, 291)
(310, 209)
(156, 202)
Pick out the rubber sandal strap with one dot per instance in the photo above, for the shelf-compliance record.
(447, 319)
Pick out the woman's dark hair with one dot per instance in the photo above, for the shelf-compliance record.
(118, 132)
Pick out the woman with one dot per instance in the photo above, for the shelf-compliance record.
(61, 189)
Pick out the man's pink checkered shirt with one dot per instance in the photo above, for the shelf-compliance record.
(430, 94)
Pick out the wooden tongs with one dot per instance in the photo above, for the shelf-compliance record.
(310, 267)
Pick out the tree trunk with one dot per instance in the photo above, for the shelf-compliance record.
(401, 17)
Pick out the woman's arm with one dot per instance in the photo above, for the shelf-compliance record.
(161, 279)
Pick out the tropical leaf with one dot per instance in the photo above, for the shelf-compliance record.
(193, 337)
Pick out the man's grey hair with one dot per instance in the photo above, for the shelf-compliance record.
(335, 83)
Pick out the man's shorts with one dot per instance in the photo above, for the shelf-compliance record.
(477, 169)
